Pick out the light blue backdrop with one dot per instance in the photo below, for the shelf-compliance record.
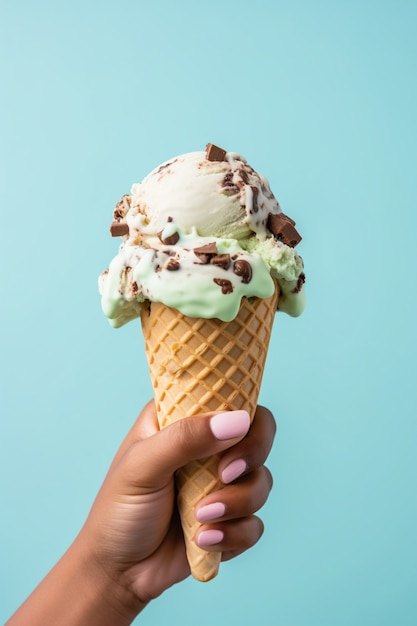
(321, 98)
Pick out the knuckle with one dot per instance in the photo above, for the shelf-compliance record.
(254, 529)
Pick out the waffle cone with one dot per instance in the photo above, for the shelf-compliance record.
(199, 366)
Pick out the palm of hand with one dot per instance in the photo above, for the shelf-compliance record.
(137, 530)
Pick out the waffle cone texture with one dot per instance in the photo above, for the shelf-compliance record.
(199, 366)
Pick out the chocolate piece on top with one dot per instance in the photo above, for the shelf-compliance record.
(243, 269)
(282, 227)
(226, 285)
(214, 153)
(205, 253)
(171, 240)
(118, 229)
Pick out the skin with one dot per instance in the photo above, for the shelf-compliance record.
(131, 547)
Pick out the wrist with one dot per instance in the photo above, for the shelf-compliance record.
(79, 592)
(107, 588)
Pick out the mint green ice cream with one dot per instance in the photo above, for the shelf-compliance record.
(201, 232)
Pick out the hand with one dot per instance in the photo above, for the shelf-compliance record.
(131, 547)
(133, 530)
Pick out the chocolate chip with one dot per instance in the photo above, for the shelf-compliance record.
(300, 282)
(171, 240)
(214, 153)
(244, 176)
(122, 207)
(172, 265)
(135, 287)
(282, 227)
(243, 269)
(255, 206)
(221, 260)
(228, 185)
(118, 229)
(165, 166)
(226, 285)
(205, 253)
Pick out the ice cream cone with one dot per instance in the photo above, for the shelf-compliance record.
(198, 366)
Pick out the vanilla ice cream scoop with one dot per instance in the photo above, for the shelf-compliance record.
(199, 233)
(224, 198)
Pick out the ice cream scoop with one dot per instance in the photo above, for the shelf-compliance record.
(202, 231)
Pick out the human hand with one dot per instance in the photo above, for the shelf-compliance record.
(133, 534)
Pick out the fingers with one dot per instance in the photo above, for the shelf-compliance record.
(228, 523)
(150, 457)
(252, 454)
(241, 499)
(151, 462)
(231, 538)
(253, 451)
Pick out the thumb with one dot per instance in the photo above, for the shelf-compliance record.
(154, 460)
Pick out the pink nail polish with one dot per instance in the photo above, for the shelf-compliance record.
(210, 512)
(233, 470)
(209, 538)
(230, 424)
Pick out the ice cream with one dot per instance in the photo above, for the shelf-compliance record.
(206, 259)
(211, 220)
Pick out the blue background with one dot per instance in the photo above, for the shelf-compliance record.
(321, 98)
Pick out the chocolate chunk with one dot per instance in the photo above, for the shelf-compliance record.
(122, 207)
(135, 287)
(118, 229)
(226, 285)
(205, 253)
(275, 220)
(289, 235)
(229, 186)
(171, 240)
(243, 269)
(255, 207)
(214, 153)
(244, 176)
(208, 248)
(221, 260)
(165, 166)
(172, 265)
(282, 227)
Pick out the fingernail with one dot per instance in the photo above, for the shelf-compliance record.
(210, 512)
(233, 470)
(230, 424)
(209, 538)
